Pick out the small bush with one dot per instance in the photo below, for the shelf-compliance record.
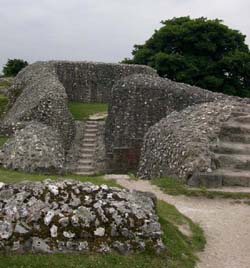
(13, 67)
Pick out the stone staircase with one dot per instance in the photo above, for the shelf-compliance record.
(231, 154)
(88, 149)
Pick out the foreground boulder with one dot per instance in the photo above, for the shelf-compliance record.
(34, 148)
(67, 215)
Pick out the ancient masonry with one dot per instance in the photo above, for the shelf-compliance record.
(88, 148)
(209, 150)
(39, 98)
(155, 127)
(67, 215)
(230, 153)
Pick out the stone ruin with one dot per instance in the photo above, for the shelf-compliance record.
(70, 216)
(41, 127)
(160, 128)
(178, 145)
(139, 102)
(155, 127)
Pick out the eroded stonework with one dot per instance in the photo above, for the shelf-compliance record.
(138, 102)
(67, 215)
(41, 92)
(34, 148)
(92, 81)
(37, 95)
(203, 145)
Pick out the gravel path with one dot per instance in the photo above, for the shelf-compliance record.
(225, 223)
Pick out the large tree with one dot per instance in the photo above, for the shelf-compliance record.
(199, 52)
(14, 66)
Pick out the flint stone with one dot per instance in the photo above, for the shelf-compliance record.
(53, 231)
(6, 230)
(49, 216)
(39, 245)
(20, 229)
(57, 225)
(99, 231)
(1, 185)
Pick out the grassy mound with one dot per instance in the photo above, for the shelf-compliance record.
(81, 111)
(181, 248)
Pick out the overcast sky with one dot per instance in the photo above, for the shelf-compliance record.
(99, 30)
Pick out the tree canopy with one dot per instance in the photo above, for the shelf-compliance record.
(14, 66)
(200, 52)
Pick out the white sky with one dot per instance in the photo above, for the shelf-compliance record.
(99, 30)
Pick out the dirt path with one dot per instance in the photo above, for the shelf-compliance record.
(226, 225)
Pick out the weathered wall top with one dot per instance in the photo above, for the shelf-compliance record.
(93, 81)
(67, 215)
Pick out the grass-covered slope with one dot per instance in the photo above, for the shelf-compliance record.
(81, 111)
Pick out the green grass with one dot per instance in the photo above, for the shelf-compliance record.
(4, 83)
(10, 176)
(180, 250)
(81, 111)
(3, 104)
(174, 187)
(3, 139)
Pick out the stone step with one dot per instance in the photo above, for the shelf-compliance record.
(94, 122)
(86, 156)
(89, 135)
(243, 119)
(221, 177)
(87, 150)
(88, 140)
(230, 148)
(233, 161)
(235, 177)
(235, 138)
(85, 161)
(91, 126)
(85, 169)
(237, 114)
(90, 131)
(85, 173)
(88, 146)
(245, 109)
(234, 127)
